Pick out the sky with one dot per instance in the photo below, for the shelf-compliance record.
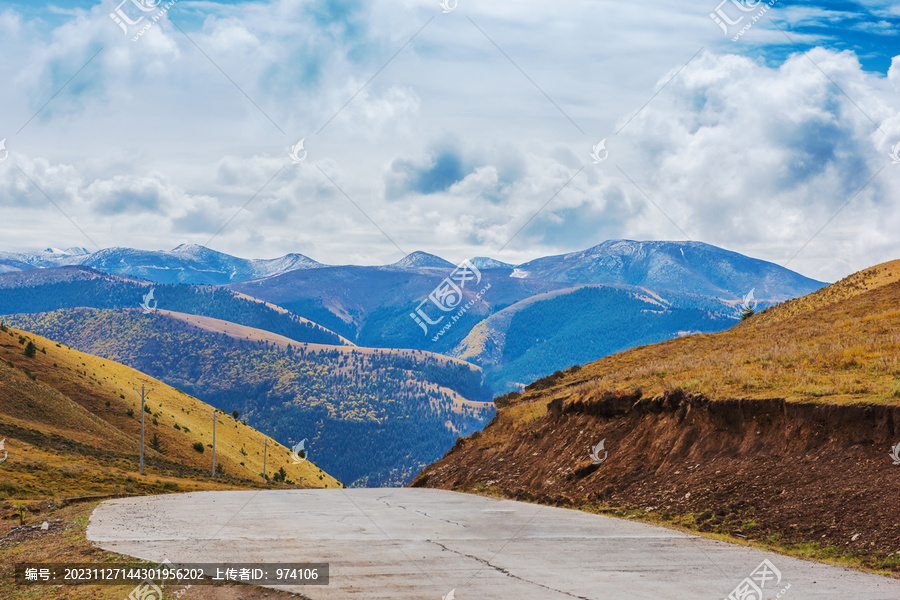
(505, 129)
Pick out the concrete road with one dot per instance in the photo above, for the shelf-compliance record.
(419, 544)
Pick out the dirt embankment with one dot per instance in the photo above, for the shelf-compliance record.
(778, 472)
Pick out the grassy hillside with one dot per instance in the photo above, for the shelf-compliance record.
(61, 410)
(371, 417)
(838, 344)
(776, 432)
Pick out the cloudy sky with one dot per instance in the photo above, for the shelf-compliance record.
(460, 133)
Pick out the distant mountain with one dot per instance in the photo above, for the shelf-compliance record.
(422, 259)
(484, 263)
(188, 263)
(691, 267)
(371, 306)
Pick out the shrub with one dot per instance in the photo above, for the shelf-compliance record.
(177, 426)
(129, 412)
(30, 349)
(198, 446)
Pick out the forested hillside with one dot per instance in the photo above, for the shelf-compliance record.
(70, 287)
(371, 419)
(565, 329)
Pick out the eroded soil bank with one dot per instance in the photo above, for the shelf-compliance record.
(802, 476)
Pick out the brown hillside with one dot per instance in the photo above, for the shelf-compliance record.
(775, 432)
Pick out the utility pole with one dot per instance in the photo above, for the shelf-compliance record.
(214, 443)
(142, 423)
(265, 453)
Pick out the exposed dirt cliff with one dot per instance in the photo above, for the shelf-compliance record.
(768, 470)
(810, 474)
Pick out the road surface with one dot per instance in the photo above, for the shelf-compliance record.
(415, 544)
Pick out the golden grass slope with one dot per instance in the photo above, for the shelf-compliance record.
(66, 411)
(839, 344)
(242, 332)
(285, 311)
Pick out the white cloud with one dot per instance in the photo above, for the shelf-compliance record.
(151, 145)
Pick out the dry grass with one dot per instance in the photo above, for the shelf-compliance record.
(836, 345)
(63, 411)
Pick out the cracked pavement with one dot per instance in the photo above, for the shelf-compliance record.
(415, 544)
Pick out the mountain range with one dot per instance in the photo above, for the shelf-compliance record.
(692, 267)
(187, 263)
(243, 321)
